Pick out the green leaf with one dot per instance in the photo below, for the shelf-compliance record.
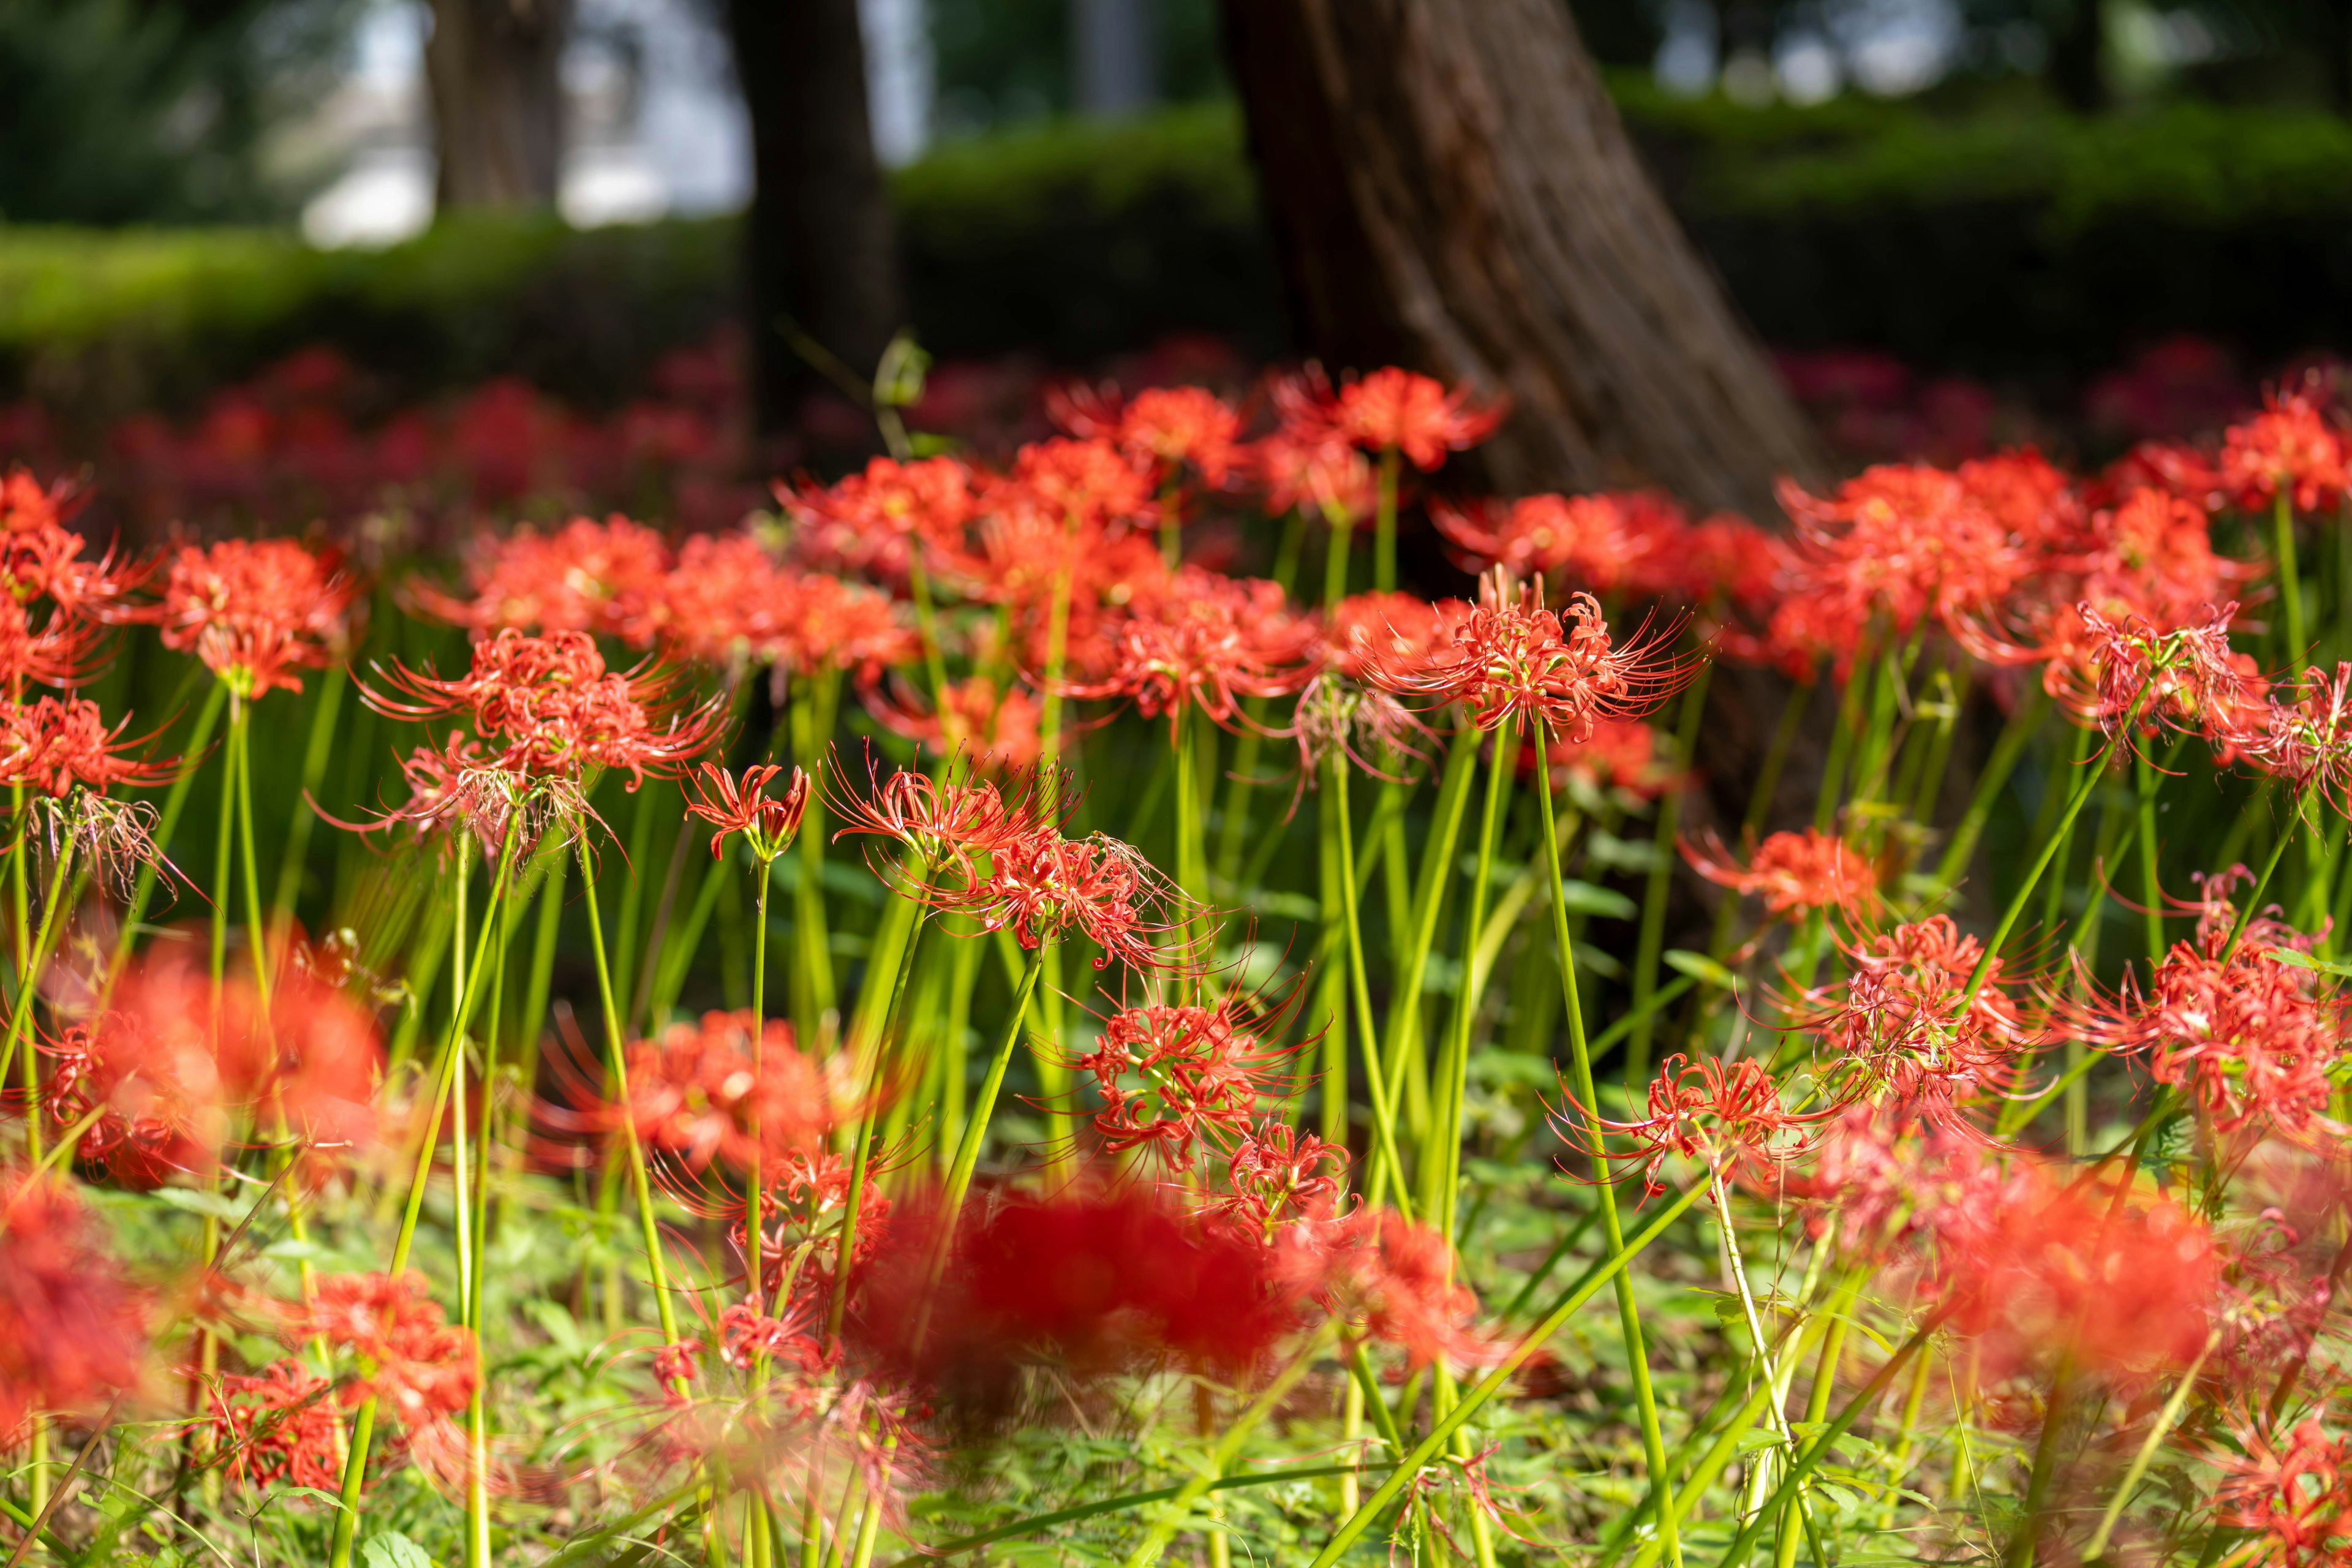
(1586, 898)
(2294, 959)
(1606, 849)
(215, 1205)
(1699, 967)
(390, 1549)
(287, 1249)
(331, 1501)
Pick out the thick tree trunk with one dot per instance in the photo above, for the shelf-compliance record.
(497, 100)
(1451, 189)
(821, 251)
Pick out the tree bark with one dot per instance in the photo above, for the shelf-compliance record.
(498, 101)
(821, 251)
(1451, 189)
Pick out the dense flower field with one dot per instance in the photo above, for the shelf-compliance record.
(1055, 1011)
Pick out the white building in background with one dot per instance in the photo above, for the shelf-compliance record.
(655, 123)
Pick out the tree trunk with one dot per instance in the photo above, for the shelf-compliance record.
(1451, 189)
(821, 251)
(498, 101)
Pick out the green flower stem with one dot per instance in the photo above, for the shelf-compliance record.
(640, 863)
(240, 740)
(2023, 1545)
(811, 721)
(1335, 558)
(167, 822)
(1769, 1373)
(1842, 739)
(1387, 1167)
(428, 1141)
(1600, 1273)
(640, 1187)
(21, 1048)
(2263, 883)
(876, 1057)
(1628, 1311)
(975, 1133)
(1440, 1153)
(1191, 874)
(1994, 777)
(1661, 883)
(1330, 1009)
(315, 752)
(223, 848)
(2290, 580)
(2165, 1420)
(1384, 525)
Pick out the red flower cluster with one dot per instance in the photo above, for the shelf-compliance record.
(420, 1366)
(1726, 1117)
(1207, 642)
(280, 1425)
(256, 610)
(2297, 1494)
(54, 744)
(767, 823)
(1905, 1029)
(1174, 1077)
(72, 1331)
(694, 1095)
(2291, 450)
(1796, 871)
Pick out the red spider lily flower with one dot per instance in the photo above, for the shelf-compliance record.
(1081, 484)
(256, 610)
(2175, 468)
(40, 557)
(1371, 729)
(946, 826)
(1726, 1117)
(56, 653)
(997, 728)
(726, 603)
(694, 1095)
(2295, 1494)
(557, 709)
(1799, 871)
(2245, 1033)
(146, 1078)
(1394, 409)
(1206, 644)
(1619, 754)
(2305, 740)
(280, 1425)
(1173, 1079)
(1029, 558)
(1327, 474)
(767, 823)
(2186, 677)
(72, 1331)
(747, 1337)
(55, 743)
(1515, 660)
(1903, 1027)
(460, 787)
(2290, 449)
(1041, 887)
(2118, 1288)
(308, 1070)
(1730, 560)
(586, 577)
(422, 1367)
(836, 625)
(1397, 1280)
(930, 500)
(1609, 544)
(1100, 1280)
(1278, 1175)
(1904, 541)
(1183, 426)
(1400, 633)
(1880, 1184)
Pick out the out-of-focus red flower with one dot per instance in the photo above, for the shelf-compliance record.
(586, 577)
(694, 1094)
(1619, 754)
(420, 1365)
(53, 743)
(1628, 543)
(995, 728)
(55, 653)
(1514, 660)
(1397, 1279)
(146, 1075)
(1903, 541)
(767, 823)
(1903, 1027)
(280, 1425)
(1183, 426)
(1207, 642)
(726, 602)
(2290, 449)
(1399, 633)
(1328, 475)
(1172, 1078)
(40, 557)
(1413, 415)
(1803, 870)
(72, 1331)
(2297, 1494)
(831, 624)
(1081, 485)
(1726, 1117)
(256, 610)
(931, 501)
(556, 708)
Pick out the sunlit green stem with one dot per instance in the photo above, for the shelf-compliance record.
(1661, 883)
(1387, 1168)
(1384, 525)
(1991, 781)
(315, 752)
(2290, 579)
(2165, 1420)
(167, 822)
(1441, 1152)
(975, 1134)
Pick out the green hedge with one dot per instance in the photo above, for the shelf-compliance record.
(2006, 236)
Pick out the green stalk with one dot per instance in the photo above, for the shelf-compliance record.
(2151, 887)
(21, 1046)
(1999, 764)
(2165, 1420)
(315, 752)
(625, 924)
(1331, 992)
(1661, 883)
(814, 996)
(2023, 1545)
(1442, 1431)
(1335, 559)
(876, 1052)
(1442, 1146)
(223, 848)
(2290, 580)
(1386, 1166)
(1628, 1311)
(1191, 874)
(167, 822)
(1384, 526)
(975, 1133)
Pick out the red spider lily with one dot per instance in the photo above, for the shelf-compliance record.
(1619, 754)
(145, 1077)
(1098, 1281)
(1609, 544)
(256, 610)
(1400, 633)
(830, 624)
(1397, 1280)
(1393, 409)
(308, 1068)
(1333, 477)
(458, 788)
(2246, 1034)
(1369, 727)
(1173, 1079)
(1730, 560)
(2119, 1288)
(1277, 1175)
(1029, 558)
(1168, 427)
(2305, 740)
(280, 1425)
(726, 603)
(72, 1331)
(422, 1367)
(1081, 484)
(55, 743)
(930, 500)
(806, 1192)
(1903, 542)
(586, 577)
(997, 728)
(694, 1095)
(56, 653)
(1803, 870)
(747, 1338)
(557, 709)
(2175, 468)
(1041, 887)
(1882, 1184)
(767, 823)
(1726, 1117)
(2186, 677)
(1209, 642)
(946, 826)
(1515, 660)
(40, 557)
(2297, 1494)
(2290, 449)
(1905, 1028)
